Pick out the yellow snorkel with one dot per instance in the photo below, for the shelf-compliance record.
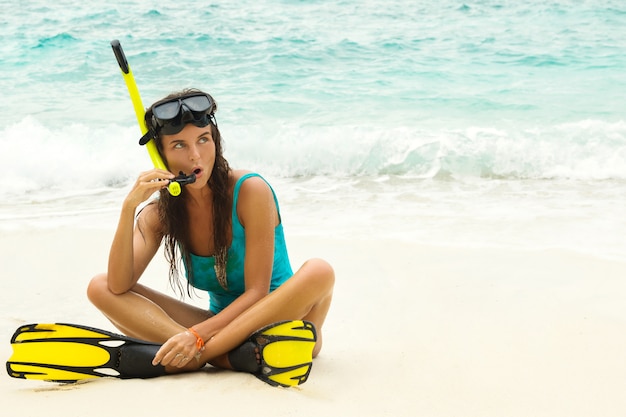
(175, 186)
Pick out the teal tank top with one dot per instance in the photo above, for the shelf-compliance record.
(204, 277)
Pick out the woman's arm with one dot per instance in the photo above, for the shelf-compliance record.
(134, 246)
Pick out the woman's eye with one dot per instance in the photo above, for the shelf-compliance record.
(178, 146)
(203, 140)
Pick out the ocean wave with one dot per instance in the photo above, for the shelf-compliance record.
(36, 157)
(585, 150)
(60, 40)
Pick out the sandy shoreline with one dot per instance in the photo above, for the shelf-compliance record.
(414, 330)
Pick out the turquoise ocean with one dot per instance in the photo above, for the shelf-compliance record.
(480, 123)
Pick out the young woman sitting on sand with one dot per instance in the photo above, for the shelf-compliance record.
(226, 229)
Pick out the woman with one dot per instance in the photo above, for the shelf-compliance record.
(226, 229)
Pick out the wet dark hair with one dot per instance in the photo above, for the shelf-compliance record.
(173, 214)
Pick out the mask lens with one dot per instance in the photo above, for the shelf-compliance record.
(166, 111)
(197, 103)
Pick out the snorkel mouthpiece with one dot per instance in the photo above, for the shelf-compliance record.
(183, 179)
(175, 185)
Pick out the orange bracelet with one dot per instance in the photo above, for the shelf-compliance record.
(199, 341)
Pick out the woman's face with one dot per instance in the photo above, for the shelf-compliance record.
(192, 150)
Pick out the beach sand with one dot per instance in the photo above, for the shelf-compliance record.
(413, 330)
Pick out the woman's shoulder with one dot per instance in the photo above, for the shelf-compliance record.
(253, 197)
(237, 174)
(252, 182)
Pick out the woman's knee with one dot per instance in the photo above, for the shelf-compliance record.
(322, 273)
(97, 288)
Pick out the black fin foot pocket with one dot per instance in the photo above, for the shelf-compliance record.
(135, 361)
(243, 358)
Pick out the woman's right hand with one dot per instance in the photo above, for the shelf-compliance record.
(147, 184)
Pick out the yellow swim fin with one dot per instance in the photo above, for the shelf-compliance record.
(69, 352)
(286, 353)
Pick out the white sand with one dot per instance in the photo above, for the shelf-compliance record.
(413, 331)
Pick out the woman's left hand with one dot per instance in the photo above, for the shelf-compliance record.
(177, 351)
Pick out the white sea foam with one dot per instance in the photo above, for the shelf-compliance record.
(76, 157)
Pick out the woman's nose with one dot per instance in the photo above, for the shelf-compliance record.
(194, 153)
